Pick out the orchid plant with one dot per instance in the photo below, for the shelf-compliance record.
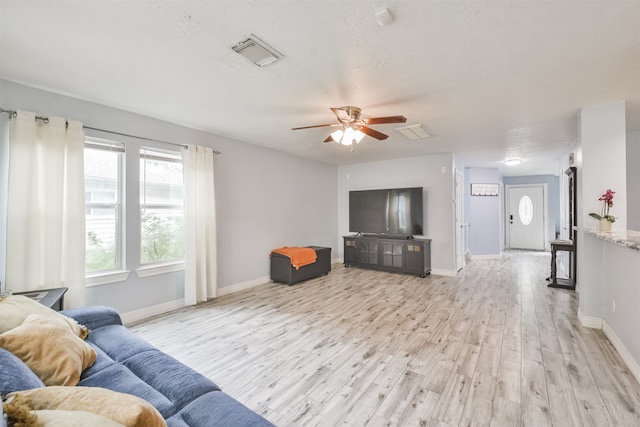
(607, 202)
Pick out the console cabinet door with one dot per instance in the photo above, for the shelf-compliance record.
(393, 254)
(419, 257)
(367, 251)
(350, 252)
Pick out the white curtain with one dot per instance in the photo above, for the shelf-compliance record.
(45, 209)
(200, 225)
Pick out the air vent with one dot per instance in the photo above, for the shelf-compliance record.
(414, 132)
(257, 51)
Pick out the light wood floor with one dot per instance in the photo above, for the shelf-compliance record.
(491, 347)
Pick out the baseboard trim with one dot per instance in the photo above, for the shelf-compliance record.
(442, 272)
(154, 310)
(588, 321)
(632, 364)
(243, 285)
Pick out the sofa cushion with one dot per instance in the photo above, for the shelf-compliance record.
(217, 409)
(14, 309)
(15, 375)
(123, 408)
(50, 349)
(94, 316)
(118, 342)
(102, 361)
(179, 383)
(119, 378)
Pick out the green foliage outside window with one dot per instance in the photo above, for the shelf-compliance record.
(99, 256)
(162, 238)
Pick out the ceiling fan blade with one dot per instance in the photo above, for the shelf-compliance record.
(329, 139)
(315, 126)
(373, 133)
(383, 120)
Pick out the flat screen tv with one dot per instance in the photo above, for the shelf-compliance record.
(396, 211)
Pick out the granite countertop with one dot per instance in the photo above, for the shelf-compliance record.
(627, 238)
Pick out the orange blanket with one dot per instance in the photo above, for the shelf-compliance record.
(299, 256)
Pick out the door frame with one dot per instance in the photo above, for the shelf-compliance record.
(458, 222)
(545, 212)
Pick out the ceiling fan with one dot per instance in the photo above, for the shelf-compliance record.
(352, 128)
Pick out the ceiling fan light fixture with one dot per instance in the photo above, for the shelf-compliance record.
(513, 161)
(347, 136)
(337, 135)
(257, 51)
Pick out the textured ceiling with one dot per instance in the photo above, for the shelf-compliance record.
(488, 80)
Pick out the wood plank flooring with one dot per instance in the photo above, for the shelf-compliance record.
(491, 347)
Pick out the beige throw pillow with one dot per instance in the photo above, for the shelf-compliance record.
(49, 418)
(15, 308)
(122, 408)
(23, 416)
(50, 350)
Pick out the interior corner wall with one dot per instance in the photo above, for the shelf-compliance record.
(603, 164)
(483, 214)
(264, 198)
(434, 173)
(633, 180)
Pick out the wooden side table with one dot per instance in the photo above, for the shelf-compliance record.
(560, 245)
(52, 298)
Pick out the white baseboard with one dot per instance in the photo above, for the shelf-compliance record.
(442, 272)
(243, 285)
(632, 364)
(154, 310)
(588, 321)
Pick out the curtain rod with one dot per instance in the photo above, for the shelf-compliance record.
(14, 114)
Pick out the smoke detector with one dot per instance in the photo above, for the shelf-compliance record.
(257, 51)
(414, 131)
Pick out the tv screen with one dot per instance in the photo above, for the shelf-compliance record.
(391, 211)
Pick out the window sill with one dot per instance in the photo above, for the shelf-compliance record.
(155, 269)
(107, 277)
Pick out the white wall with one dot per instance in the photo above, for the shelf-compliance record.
(619, 295)
(603, 138)
(484, 214)
(603, 166)
(264, 198)
(633, 180)
(434, 173)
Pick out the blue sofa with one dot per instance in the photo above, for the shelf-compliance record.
(128, 364)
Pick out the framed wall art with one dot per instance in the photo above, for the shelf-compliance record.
(484, 189)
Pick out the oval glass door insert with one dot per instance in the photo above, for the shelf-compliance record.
(525, 210)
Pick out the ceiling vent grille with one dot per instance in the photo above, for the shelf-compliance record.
(414, 132)
(257, 51)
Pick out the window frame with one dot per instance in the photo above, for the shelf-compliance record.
(118, 272)
(163, 266)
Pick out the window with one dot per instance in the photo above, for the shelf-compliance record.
(161, 207)
(103, 205)
(525, 210)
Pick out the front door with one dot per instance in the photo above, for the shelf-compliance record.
(526, 216)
